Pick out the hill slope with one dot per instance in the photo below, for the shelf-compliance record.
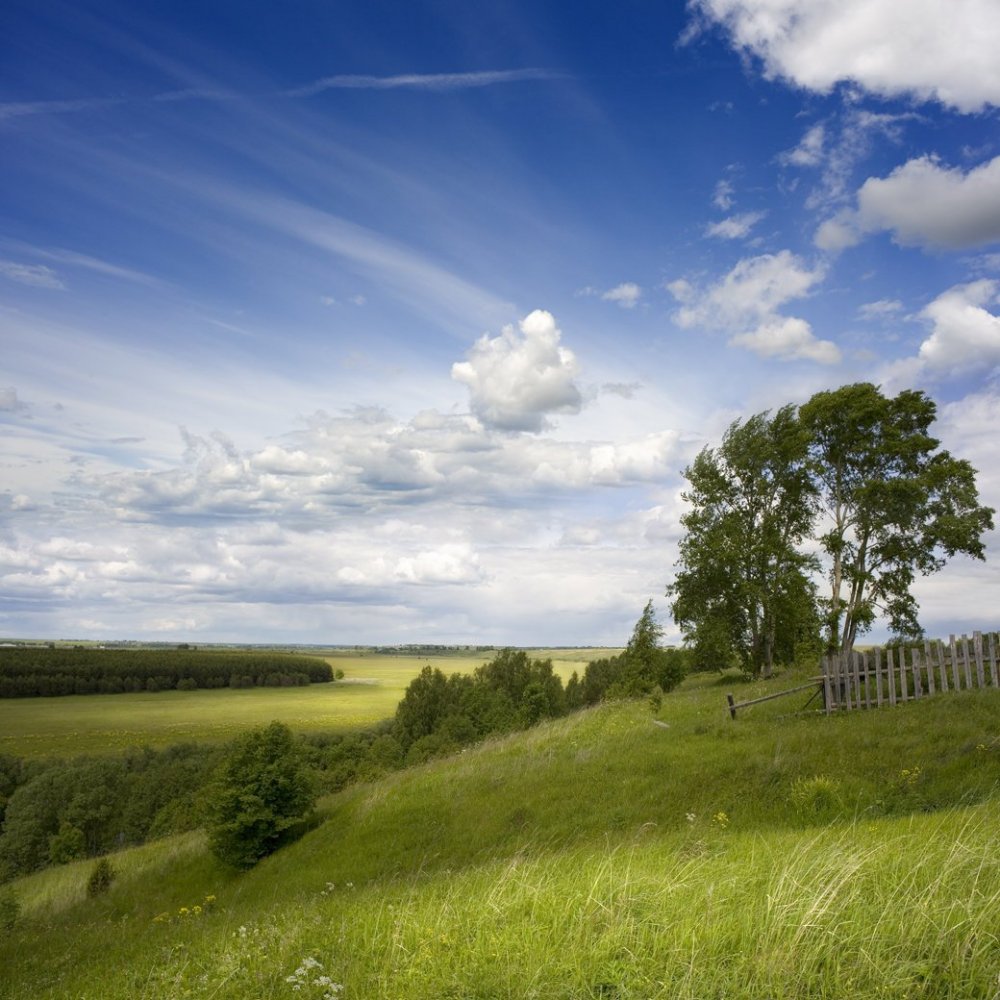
(597, 856)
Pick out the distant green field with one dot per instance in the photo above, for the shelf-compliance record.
(372, 687)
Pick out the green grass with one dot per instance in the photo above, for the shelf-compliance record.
(93, 724)
(596, 856)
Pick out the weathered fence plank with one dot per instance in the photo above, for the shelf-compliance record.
(942, 665)
(977, 647)
(861, 680)
(891, 675)
(878, 676)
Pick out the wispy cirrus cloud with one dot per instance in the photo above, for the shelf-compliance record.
(22, 109)
(44, 275)
(34, 275)
(423, 81)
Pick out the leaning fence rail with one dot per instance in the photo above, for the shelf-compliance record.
(890, 676)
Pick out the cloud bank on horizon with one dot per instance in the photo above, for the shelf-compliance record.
(418, 350)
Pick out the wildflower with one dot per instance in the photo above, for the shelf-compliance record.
(721, 819)
(690, 817)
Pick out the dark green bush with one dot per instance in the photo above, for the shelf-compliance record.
(101, 877)
(262, 790)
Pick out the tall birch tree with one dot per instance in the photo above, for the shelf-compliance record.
(742, 591)
(893, 504)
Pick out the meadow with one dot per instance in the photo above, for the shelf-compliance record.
(372, 686)
(595, 856)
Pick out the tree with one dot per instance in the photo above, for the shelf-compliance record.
(894, 505)
(642, 668)
(742, 592)
(261, 792)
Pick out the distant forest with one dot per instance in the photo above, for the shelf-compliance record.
(30, 672)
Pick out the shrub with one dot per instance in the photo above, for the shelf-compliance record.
(101, 877)
(261, 791)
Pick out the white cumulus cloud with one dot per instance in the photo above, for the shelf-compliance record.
(965, 334)
(746, 303)
(516, 380)
(928, 49)
(923, 203)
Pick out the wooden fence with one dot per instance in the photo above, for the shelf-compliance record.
(890, 676)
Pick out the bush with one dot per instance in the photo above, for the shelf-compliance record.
(262, 790)
(101, 877)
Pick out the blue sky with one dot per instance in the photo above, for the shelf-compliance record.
(371, 322)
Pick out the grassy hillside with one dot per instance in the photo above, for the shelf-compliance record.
(597, 856)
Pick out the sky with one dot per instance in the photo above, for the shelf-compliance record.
(370, 322)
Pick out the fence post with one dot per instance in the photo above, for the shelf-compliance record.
(954, 663)
(977, 646)
(993, 661)
(930, 666)
(827, 686)
(890, 673)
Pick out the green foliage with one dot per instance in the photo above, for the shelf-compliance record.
(41, 671)
(61, 810)
(101, 876)
(897, 505)
(440, 714)
(642, 669)
(742, 593)
(262, 791)
(67, 845)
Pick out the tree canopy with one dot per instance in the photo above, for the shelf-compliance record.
(262, 791)
(894, 505)
(852, 474)
(742, 592)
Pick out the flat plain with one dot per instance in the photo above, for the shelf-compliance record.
(372, 687)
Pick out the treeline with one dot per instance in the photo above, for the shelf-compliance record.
(56, 811)
(441, 713)
(44, 672)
